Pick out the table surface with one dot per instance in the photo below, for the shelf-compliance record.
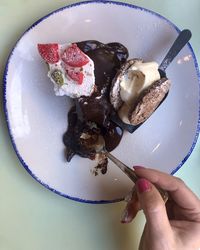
(34, 218)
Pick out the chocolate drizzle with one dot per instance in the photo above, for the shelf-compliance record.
(90, 117)
(107, 59)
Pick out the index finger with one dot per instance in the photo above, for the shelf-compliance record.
(179, 192)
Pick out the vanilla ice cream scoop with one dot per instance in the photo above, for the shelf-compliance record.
(130, 85)
(137, 78)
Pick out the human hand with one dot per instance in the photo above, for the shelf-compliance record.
(175, 226)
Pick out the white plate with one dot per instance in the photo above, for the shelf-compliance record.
(37, 118)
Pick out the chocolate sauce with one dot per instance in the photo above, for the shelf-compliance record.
(112, 136)
(72, 138)
(107, 59)
(102, 167)
(91, 115)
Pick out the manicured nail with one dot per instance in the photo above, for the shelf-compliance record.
(138, 167)
(130, 195)
(143, 185)
(124, 217)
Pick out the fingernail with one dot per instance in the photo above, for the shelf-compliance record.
(143, 185)
(138, 167)
(130, 195)
(125, 218)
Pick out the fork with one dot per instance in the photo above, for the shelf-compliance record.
(131, 173)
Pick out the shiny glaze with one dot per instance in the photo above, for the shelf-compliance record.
(107, 58)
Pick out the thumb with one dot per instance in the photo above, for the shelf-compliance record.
(153, 206)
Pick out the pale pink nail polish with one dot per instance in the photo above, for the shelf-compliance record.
(124, 216)
(143, 185)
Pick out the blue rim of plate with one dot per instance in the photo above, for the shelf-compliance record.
(5, 101)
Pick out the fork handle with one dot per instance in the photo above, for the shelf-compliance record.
(131, 173)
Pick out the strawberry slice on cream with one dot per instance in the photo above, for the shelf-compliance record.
(70, 69)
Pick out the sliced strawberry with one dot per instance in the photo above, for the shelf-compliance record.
(49, 52)
(77, 76)
(74, 57)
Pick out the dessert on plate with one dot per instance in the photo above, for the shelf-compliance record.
(109, 90)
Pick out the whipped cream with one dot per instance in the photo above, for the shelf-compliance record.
(139, 77)
(64, 85)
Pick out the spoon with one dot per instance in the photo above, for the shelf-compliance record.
(182, 39)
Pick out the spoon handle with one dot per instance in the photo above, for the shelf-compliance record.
(178, 44)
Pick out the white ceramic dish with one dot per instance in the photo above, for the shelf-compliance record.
(37, 118)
